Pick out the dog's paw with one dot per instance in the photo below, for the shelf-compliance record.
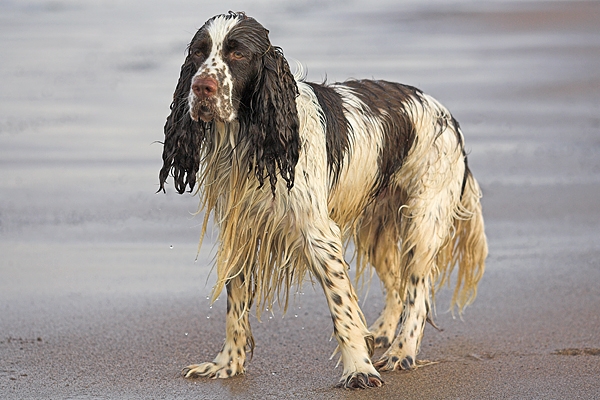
(211, 370)
(360, 380)
(393, 362)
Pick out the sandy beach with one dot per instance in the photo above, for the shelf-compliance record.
(103, 292)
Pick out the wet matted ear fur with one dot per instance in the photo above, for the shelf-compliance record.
(272, 124)
(183, 136)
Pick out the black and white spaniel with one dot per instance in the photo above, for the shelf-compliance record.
(291, 171)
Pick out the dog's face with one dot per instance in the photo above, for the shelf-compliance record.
(226, 53)
(232, 72)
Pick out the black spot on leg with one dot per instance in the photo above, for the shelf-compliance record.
(383, 341)
(229, 372)
(328, 283)
(400, 345)
(395, 359)
(336, 299)
(414, 280)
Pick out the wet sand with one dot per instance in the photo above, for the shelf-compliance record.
(100, 293)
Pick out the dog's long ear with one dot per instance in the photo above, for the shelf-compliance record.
(273, 125)
(183, 136)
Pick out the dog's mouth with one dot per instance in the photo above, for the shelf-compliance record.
(210, 109)
(202, 111)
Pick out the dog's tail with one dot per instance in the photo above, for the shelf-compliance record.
(467, 247)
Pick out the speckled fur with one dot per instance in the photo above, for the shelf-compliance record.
(397, 185)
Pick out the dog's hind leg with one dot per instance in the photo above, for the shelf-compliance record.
(386, 264)
(230, 360)
(426, 227)
(377, 244)
(403, 351)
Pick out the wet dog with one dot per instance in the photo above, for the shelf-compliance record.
(292, 170)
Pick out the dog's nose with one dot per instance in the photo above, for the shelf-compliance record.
(205, 87)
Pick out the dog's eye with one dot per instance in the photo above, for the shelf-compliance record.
(197, 53)
(236, 55)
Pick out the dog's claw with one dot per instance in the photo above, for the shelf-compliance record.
(360, 380)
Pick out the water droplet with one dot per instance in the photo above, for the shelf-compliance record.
(295, 315)
(210, 307)
(270, 317)
(171, 247)
(302, 328)
(186, 334)
(208, 316)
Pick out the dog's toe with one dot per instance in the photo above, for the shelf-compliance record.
(360, 380)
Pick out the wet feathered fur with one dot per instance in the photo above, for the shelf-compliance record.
(376, 162)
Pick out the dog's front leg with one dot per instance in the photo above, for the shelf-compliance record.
(355, 342)
(231, 358)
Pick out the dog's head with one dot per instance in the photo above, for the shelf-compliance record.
(232, 72)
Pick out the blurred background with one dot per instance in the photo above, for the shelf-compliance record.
(86, 244)
(86, 87)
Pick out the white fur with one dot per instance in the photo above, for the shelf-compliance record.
(215, 66)
(360, 163)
